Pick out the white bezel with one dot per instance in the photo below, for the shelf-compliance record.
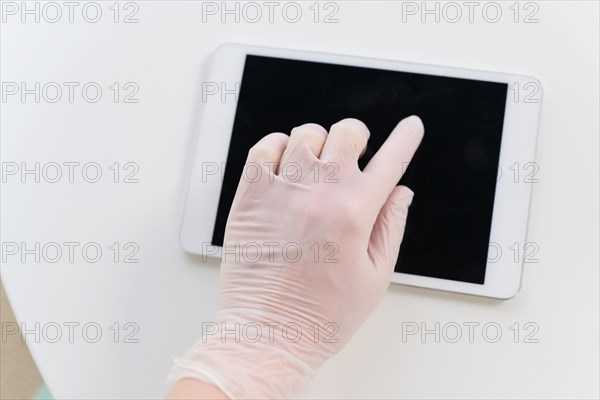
(511, 203)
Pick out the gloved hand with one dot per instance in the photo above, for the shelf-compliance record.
(310, 247)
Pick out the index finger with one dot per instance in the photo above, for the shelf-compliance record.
(388, 164)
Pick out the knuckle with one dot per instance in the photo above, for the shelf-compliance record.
(268, 146)
(351, 213)
(262, 151)
(354, 126)
(310, 129)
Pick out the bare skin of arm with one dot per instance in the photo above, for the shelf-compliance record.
(195, 389)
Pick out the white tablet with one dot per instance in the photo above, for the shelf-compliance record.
(472, 174)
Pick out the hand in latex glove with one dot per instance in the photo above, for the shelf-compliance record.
(310, 247)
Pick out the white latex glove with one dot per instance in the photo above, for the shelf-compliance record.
(310, 247)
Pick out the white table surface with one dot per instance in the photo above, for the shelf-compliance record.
(168, 294)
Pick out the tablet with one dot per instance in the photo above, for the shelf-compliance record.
(472, 175)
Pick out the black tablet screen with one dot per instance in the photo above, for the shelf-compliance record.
(453, 173)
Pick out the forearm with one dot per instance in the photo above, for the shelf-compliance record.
(188, 388)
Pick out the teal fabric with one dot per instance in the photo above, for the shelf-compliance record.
(42, 394)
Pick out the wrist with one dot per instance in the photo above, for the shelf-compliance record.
(248, 359)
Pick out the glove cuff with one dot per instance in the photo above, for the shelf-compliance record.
(243, 370)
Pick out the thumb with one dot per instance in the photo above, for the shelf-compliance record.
(388, 230)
